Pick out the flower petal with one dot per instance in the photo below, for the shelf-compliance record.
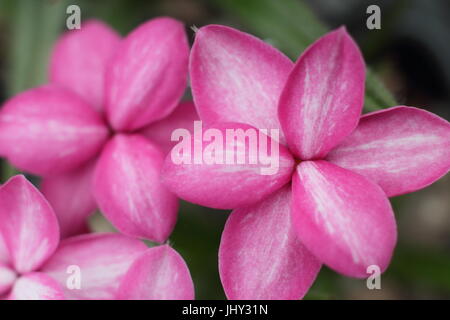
(211, 176)
(4, 256)
(345, 220)
(70, 195)
(49, 130)
(161, 131)
(7, 278)
(36, 286)
(158, 274)
(102, 260)
(148, 75)
(237, 77)
(28, 224)
(260, 256)
(323, 98)
(402, 149)
(79, 60)
(128, 190)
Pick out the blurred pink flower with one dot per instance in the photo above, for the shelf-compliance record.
(328, 203)
(34, 264)
(106, 96)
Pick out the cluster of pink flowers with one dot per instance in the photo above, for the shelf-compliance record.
(99, 131)
(34, 263)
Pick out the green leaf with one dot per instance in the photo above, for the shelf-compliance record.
(34, 25)
(377, 96)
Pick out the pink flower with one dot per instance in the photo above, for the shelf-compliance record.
(35, 265)
(328, 203)
(106, 96)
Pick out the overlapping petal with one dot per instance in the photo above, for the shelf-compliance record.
(128, 189)
(345, 220)
(102, 260)
(28, 224)
(260, 255)
(7, 278)
(158, 274)
(70, 195)
(402, 149)
(79, 60)
(323, 97)
(36, 286)
(236, 77)
(160, 132)
(4, 256)
(226, 167)
(49, 130)
(148, 75)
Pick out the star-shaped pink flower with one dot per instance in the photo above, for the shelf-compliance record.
(35, 265)
(328, 202)
(105, 98)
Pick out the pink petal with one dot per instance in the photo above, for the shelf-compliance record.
(49, 130)
(161, 131)
(402, 149)
(148, 75)
(260, 256)
(102, 258)
(323, 98)
(70, 195)
(79, 60)
(345, 220)
(4, 256)
(237, 77)
(7, 278)
(227, 185)
(158, 274)
(129, 192)
(36, 286)
(7, 275)
(28, 224)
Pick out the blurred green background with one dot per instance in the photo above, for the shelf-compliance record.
(409, 56)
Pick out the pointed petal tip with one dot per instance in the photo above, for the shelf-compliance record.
(18, 178)
(208, 28)
(22, 205)
(340, 32)
(342, 29)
